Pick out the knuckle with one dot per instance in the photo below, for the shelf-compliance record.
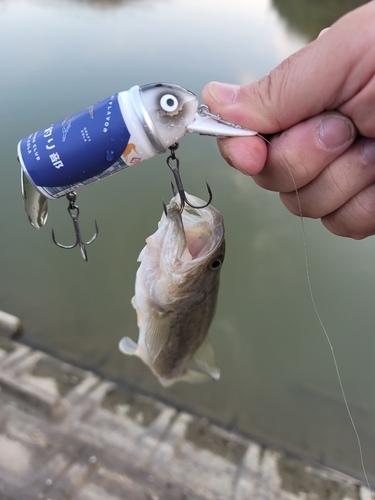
(290, 201)
(267, 96)
(345, 231)
(355, 220)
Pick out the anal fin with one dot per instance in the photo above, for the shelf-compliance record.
(204, 358)
(191, 376)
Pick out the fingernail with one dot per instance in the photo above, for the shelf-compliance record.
(223, 93)
(335, 131)
(368, 151)
(323, 31)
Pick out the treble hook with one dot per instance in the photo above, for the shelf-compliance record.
(72, 197)
(176, 172)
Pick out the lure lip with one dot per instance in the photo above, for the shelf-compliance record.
(35, 204)
(205, 124)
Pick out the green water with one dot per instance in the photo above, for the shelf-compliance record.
(278, 379)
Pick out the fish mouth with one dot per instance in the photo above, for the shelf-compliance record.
(197, 233)
(204, 233)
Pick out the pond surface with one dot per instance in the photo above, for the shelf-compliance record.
(278, 379)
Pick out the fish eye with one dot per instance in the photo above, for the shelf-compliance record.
(215, 264)
(169, 103)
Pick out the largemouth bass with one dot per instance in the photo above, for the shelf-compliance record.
(176, 291)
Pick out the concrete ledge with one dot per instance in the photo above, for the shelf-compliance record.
(10, 326)
(67, 434)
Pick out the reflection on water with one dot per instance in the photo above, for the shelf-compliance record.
(278, 380)
(309, 18)
(104, 4)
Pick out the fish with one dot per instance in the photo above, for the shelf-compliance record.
(176, 291)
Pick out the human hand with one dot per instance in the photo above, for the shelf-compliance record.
(319, 104)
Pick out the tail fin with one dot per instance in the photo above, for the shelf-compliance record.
(128, 346)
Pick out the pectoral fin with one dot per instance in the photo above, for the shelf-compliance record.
(157, 334)
(134, 304)
(128, 346)
(204, 357)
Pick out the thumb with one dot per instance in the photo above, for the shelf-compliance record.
(290, 93)
(272, 104)
(321, 76)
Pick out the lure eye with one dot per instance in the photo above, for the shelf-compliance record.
(169, 103)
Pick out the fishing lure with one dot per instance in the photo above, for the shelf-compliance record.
(123, 130)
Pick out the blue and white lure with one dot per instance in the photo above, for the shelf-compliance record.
(125, 129)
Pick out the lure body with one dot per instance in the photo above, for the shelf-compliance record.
(122, 130)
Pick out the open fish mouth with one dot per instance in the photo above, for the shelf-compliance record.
(200, 239)
(203, 229)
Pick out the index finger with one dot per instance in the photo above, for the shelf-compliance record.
(294, 158)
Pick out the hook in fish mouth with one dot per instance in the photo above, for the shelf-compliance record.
(180, 188)
(185, 201)
(165, 208)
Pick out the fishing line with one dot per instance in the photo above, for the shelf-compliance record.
(317, 314)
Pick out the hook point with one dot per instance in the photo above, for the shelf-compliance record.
(173, 189)
(74, 216)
